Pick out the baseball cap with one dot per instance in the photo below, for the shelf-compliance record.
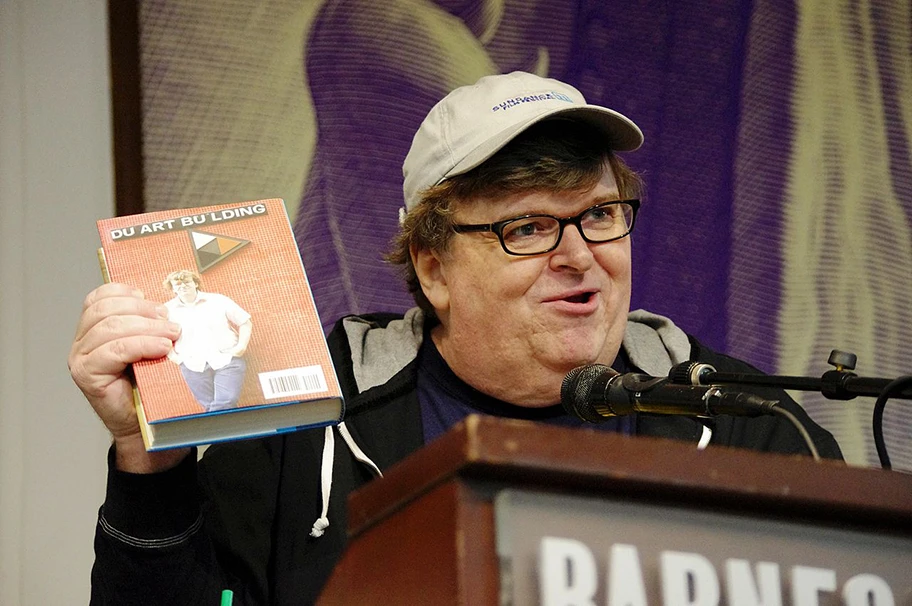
(474, 122)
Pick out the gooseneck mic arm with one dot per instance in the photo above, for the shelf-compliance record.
(838, 384)
(833, 384)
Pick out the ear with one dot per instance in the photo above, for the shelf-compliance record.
(432, 276)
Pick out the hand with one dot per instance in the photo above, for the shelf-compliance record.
(244, 331)
(118, 327)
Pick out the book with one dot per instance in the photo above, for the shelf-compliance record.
(252, 359)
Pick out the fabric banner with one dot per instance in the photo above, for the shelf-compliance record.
(777, 221)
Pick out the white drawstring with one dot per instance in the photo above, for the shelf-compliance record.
(356, 450)
(322, 522)
(705, 438)
(326, 469)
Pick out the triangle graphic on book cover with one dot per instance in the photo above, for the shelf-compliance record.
(210, 249)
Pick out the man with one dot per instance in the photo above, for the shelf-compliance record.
(515, 243)
(215, 332)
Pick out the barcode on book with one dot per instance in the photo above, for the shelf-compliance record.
(293, 382)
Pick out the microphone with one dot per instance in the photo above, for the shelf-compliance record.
(596, 392)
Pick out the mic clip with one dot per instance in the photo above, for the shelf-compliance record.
(638, 384)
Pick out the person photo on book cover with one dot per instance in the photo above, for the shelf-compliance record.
(214, 335)
(515, 242)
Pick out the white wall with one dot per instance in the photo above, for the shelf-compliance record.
(55, 180)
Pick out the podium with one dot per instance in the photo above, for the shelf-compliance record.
(478, 515)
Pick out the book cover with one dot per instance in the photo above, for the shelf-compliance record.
(252, 358)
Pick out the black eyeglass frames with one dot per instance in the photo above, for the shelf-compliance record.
(538, 234)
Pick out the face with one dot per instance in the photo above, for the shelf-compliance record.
(512, 326)
(185, 290)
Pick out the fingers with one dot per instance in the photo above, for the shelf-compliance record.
(108, 332)
(111, 289)
(113, 300)
(95, 368)
(117, 327)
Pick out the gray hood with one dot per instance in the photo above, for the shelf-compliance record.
(653, 343)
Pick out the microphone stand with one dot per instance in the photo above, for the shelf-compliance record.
(839, 384)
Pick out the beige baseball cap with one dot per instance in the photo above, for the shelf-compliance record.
(474, 122)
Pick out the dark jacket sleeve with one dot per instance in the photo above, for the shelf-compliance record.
(150, 545)
(161, 540)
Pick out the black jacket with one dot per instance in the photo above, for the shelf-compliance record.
(241, 518)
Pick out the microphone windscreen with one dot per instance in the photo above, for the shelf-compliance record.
(576, 391)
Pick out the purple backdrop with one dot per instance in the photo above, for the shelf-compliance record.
(673, 69)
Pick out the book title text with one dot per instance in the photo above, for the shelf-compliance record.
(188, 221)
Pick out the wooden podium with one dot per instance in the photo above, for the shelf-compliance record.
(428, 532)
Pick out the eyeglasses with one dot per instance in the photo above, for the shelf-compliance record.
(537, 234)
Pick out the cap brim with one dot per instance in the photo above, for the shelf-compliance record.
(622, 134)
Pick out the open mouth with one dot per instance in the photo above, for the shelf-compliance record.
(583, 297)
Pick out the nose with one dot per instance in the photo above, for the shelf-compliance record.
(572, 252)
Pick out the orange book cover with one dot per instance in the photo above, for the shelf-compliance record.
(252, 358)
